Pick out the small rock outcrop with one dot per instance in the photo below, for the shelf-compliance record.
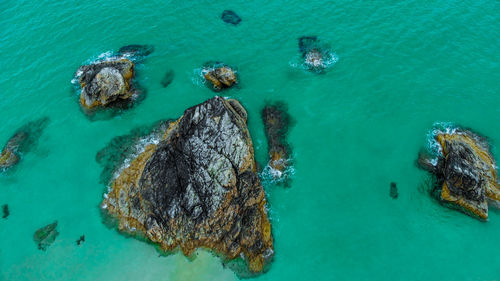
(196, 186)
(21, 142)
(316, 55)
(45, 236)
(231, 17)
(108, 82)
(105, 82)
(465, 172)
(277, 121)
(219, 76)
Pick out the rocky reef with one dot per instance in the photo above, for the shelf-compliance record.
(45, 236)
(196, 186)
(219, 76)
(21, 142)
(465, 171)
(315, 54)
(277, 121)
(231, 17)
(109, 82)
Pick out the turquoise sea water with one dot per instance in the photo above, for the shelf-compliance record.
(402, 66)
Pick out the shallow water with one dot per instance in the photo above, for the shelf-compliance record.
(400, 68)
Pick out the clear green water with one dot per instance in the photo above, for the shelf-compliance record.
(402, 67)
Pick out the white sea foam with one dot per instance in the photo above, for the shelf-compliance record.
(329, 60)
(270, 175)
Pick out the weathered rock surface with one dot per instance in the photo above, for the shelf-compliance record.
(231, 17)
(465, 172)
(45, 236)
(277, 122)
(197, 187)
(105, 82)
(21, 142)
(313, 52)
(219, 76)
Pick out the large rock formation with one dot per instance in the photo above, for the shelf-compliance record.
(21, 142)
(465, 172)
(197, 187)
(276, 123)
(219, 76)
(105, 82)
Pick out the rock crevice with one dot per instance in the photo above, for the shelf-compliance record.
(198, 187)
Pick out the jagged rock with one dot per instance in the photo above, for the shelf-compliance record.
(105, 82)
(231, 17)
(277, 122)
(466, 175)
(5, 210)
(313, 52)
(45, 236)
(394, 191)
(21, 142)
(168, 78)
(197, 187)
(219, 76)
(136, 51)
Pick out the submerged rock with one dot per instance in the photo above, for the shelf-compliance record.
(219, 76)
(394, 191)
(21, 142)
(231, 17)
(314, 53)
(168, 78)
(466, 175)
(5, 211)
(80, 240)
(105, 82)
(277, 122)
(197, 187)
(45, 236)
(136, 51)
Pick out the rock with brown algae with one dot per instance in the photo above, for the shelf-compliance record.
(466, 175)
(21, 142)
(219, 76)
(106, 82)
(197, 187)
(109, 82)
(277, 121)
